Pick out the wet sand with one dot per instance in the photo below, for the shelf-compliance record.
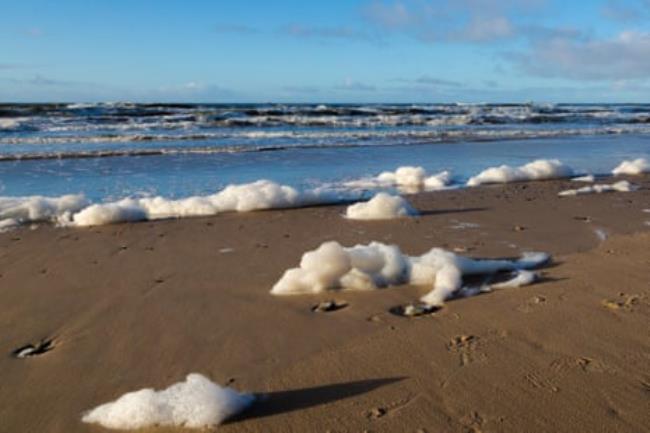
(140, 305)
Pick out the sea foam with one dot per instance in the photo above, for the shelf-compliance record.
(22, 210)
(195, 403)
(634, 167)
(377, 265)
(259, 195)
(622, 186)
(540, 169)
(382, 206)
(407, 178)
(75, 210)
(588, 178)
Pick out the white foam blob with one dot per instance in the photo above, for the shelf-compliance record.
(22, 210)
(10, 123)
(590, 178)
(75, 210)
(622, 186)
(8, 224)
(407, 179)
(125, 210)
(522, 278)
(262, 194)
(381, 207)
(414, 176)
(634, 167)
(540, 169)
(376, 265)
(195, 403)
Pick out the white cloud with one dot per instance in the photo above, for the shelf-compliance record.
(316, 32)
(8, 66)
(427, 80)
(353, 85)
(482, 29)
(190, 91)
(392, 16)
(626, 11)
(240, 29)
(624, 56)
(471, 21)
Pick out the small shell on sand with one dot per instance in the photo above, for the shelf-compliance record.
(34, 350)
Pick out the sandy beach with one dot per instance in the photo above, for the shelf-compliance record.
(137, 305)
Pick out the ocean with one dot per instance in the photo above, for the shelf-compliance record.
(109, 151)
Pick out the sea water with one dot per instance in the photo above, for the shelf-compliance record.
(110, 151)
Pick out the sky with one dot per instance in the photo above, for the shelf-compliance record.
(325, 51)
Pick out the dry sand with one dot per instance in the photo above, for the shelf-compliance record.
(141, 305)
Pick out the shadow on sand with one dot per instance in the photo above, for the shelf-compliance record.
(275, 403)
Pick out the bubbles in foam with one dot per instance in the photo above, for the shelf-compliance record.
(23, 210)
(376, 265)
(634, 167)
(195, 403)
(622, 186)
(126, 210)
(75, 210)
(406, 178)
(262, 194)
(590, 178)
(10, 124)
(381, 206)
(540, 169)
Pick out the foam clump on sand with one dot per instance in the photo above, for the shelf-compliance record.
(382, 206)
(377, 265)
(521, 278)
(540, 169)
(622, 186)
(195, 403)
(407, 178)
(262, 194)
(634, 167)
(589, 178)
(15, 211)
(75, 210)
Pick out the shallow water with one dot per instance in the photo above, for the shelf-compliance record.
(108, 151)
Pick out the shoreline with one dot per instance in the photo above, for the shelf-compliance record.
(137, 305)
(76, 210)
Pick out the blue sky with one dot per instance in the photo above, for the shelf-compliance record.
(334, 51)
